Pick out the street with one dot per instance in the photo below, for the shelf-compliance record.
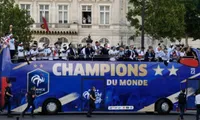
(103, 117)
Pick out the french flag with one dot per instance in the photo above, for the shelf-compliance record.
(45, 25)
(5, 41)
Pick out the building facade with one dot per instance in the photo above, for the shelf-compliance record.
(73, 20)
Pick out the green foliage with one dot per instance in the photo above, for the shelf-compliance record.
(163, 18)
(11, 14)
(192, 19)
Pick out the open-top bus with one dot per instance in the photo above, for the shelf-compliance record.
(63, 86)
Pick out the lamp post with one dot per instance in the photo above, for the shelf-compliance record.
(143, 15)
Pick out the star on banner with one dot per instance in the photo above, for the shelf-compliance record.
(173, 71)
(158, 70)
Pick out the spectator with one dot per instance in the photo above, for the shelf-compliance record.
(182, 103)
(197, 103)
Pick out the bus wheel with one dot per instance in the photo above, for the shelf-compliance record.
(163, 107)
(51, 106)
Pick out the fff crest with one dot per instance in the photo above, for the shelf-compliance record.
(40, 79)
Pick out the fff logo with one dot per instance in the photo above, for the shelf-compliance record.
(40, 79)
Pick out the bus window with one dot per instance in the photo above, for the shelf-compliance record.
(193, 86)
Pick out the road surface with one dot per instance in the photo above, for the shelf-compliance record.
(102, 117)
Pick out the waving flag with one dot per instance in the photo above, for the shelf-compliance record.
(5, 41)
(45, 25)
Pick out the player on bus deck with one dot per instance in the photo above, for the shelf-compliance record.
(34, 52)
(64, 52)
(20, 50)
(30, 96)
(56, 51)
(46, 52)
(8, 95)
(92, 99)
(12, 47)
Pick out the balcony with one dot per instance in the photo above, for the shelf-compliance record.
(52, 25)
(56, 28)
(104, 26)
(86, 26)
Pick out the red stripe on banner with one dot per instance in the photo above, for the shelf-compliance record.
(4, 84)
(45, 24)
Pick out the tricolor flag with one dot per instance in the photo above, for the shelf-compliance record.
(5, 40)
(45, 25)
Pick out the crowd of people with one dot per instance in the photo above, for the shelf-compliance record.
(62, 51)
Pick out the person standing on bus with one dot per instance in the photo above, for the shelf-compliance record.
(30, 99)
(182, 103)
(8, 95)
(12, 47)
(197, 102)
(92, 99)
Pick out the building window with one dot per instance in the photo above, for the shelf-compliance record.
(44, 40)
(63, 13)
(104, 15)
(86, 14)
(44, 12)
(104, 41)
(26, 7)
(63, 40)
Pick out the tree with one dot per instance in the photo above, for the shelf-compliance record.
(11, 14)
(163, 18)
(192, 19)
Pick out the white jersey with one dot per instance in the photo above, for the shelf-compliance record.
(114, 54)
(20, 50)
(97, 50)
(46, 52)
(64, 54)
(33, 54)
(182, 54)
(12, 44)
(164, 56)
(40, 53)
